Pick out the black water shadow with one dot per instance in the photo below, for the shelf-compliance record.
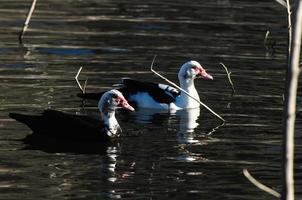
(53, 145)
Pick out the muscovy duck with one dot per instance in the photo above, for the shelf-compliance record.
(63, 127)
(161, 96)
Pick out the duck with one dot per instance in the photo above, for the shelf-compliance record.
(161, 96)
(66, 128)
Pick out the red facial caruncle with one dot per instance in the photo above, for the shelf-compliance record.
(122, 102)
(202, 73)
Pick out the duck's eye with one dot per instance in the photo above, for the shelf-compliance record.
(114, 96)
(196, 69)
(118, 100)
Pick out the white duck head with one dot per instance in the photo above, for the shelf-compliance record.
(192, 70)
(187, 74)
(109, 102)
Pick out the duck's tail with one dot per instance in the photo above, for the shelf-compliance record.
(19, 117)
(29, 120)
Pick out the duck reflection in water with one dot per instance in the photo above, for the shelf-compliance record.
(187, 124)
(108, 170)
(185, 120)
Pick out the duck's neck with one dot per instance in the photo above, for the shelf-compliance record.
(184, 101)
(110, 122)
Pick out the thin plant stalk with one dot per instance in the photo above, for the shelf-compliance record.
(289, 19)
(289, 116)
(229, 77)
(85, 85)
(25, 26)
(77, 80)
(266, 37)
(260, 185)
(290, 98)
(281, 2)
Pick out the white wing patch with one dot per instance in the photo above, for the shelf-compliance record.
(168, 89)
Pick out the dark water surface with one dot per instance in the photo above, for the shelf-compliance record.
(159, 156)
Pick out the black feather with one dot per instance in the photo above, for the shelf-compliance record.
(63, 126)
(132, 87)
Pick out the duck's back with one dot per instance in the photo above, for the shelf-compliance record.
(62, 126)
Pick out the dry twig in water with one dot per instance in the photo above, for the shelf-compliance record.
(201, 103)
(260, 185)
(289, 21)
(290, 104)
(83, 89)
(85, 84)
(25, 26)
(266, 37)
(215, 129)
(281, 2)
(229, 77)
